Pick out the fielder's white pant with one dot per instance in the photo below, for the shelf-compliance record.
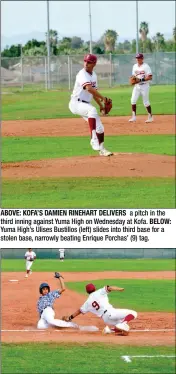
(114, 316)
(47, 319)
(141, 90)
(86, 111)
(28, 264)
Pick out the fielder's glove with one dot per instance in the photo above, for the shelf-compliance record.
(66, 319)
(58, 275)
(133, 80)
(107, 105)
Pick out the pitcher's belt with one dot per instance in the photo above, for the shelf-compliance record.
(104, 313)
(83, 101)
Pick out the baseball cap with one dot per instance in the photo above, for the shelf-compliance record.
(90, 288)
(139, 55)
(90, 58)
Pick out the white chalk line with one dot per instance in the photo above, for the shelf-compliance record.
(68, 330)
(128, 359)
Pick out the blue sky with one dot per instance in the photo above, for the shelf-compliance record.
(70, 18)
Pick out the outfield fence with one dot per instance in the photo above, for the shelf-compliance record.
(138, 253)
(31, 72)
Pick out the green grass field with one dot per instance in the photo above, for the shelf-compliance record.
(39, 148)
(88, 358)
(89, 193)
(141, 295)
(54, 104)
(86, 265)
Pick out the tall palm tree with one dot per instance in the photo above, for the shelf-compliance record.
(110, 38)
(144, 30)
(159, 41)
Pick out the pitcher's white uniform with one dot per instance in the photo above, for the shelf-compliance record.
(141, 88)
(29, 255)
(98, 304)
(61, 253)
(76, 106)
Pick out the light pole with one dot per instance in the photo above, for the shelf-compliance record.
(90, 27)
(48, 46)
(137, 31)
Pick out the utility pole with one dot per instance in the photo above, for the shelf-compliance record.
(48, 47)
(90, 27)
(137, 31)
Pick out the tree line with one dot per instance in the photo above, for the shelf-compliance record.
(108, 43)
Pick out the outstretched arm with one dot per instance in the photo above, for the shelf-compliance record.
(62, 285)
(114, 288)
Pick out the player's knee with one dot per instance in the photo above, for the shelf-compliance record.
(146, 103)
(134, 313)
(92, 113)
(41, 325)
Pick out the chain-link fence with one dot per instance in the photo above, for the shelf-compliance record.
(86, 253)
(112, 70)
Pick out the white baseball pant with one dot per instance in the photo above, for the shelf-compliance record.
(86, 111)
(114, 316)
(47, 319)
(141, 90)
(28, 264)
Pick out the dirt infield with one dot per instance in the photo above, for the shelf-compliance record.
(78, 127)
(119, 165)
(19, 312)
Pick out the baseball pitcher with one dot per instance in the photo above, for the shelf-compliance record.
(141, 76)
(45, 305)
(85, 89)
(98, 304)
(29, 256)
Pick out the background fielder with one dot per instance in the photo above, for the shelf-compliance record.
(61, 254)
(142, 74)
(29, 256)
(98, 304)
(85, 89)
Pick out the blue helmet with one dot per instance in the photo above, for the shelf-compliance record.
(44, 285)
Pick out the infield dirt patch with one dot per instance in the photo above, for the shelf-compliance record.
(79, 127)
(19, 312)
(119, 165)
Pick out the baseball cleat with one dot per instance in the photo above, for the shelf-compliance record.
(123, 327)
(26, 276)
(105, 153)
(106, 330)
(149, 119)
(132, 119)
(95, 144)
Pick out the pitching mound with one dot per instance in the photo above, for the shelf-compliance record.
(119, 165)
(77, 127)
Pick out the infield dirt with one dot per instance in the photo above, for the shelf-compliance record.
(19, 311)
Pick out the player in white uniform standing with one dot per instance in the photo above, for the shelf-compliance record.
(29, 256)
(98, 304)
(142, 71)
(85, 89)
(62, 254)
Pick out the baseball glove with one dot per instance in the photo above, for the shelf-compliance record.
(65, 318)
(58, 275)
(133, 80)
(107, 105)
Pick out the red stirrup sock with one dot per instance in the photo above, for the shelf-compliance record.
(100, 137)
(128, 318)
(92, 124)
